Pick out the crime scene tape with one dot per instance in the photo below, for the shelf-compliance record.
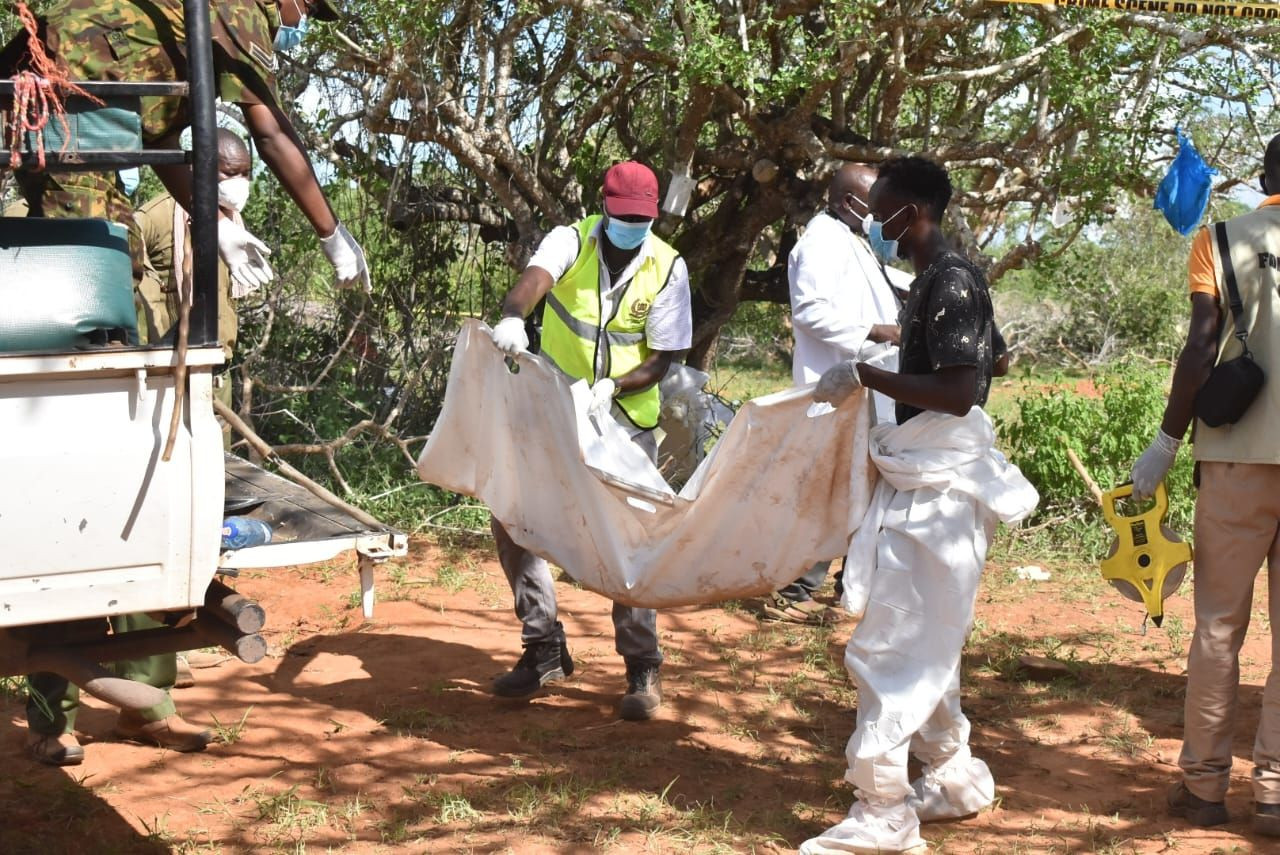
(1253, 11)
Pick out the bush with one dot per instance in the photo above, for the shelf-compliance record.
(758, 334)
(1108, 426)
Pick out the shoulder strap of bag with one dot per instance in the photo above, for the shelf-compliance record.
(1233, 291)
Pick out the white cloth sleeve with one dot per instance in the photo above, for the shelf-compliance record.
(557, 252)
(670, 322)
(814, 279)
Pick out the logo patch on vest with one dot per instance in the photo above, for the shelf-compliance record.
(639, 310)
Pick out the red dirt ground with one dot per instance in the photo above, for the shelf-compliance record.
(381, 737)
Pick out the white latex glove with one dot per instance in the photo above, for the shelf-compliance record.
(347, 258)
(602, 397)
(245, 257)
(510, 337)
(838, 383)
(1153, 465)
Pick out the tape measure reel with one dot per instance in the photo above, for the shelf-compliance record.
(1147, 560)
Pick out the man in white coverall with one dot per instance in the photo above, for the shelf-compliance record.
(843, 306)
(617, 311)
(916, 559)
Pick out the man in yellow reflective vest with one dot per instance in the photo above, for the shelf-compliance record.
(617, 312)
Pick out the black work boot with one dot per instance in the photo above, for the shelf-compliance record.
(1195, 810)
(1266, 819)
(542, 663)
(644, 692)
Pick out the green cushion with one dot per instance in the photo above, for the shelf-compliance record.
(64, 284)
(116, 126)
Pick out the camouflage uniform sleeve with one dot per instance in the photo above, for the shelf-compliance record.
(243, 55)
(146, 40)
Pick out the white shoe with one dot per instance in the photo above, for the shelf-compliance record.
(871, 829)
(960, 787)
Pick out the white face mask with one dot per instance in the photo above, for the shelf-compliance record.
(233, 193)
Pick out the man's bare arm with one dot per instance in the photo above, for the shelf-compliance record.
(176, 178)
(532, 285)
(951, 390)
(644, 375)
(284, 154)
(1194, 364)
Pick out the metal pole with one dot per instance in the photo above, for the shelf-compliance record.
(204, 169)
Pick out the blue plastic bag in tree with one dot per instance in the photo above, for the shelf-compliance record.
(1184, 193)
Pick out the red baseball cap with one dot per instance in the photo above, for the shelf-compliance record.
(631, 188)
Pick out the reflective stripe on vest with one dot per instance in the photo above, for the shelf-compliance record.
(573, 330)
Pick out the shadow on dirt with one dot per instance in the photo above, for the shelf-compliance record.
(51, 811)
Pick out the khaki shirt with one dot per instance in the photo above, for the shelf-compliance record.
(158, 287)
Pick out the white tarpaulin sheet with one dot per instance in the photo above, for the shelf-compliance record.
(785, 486)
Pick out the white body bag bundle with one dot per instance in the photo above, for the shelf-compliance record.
(785, 487)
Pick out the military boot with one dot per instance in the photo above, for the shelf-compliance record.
(1266, 819)
(1195, 810)
(644, 691)
(543, 662)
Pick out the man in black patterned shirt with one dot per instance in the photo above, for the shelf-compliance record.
(916, 558)
(948, 323)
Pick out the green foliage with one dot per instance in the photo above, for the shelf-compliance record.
(1120, 290)
(759, 336)
(1108, 423)
(359, 376)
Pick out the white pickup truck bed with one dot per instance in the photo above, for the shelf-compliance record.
(96, 524)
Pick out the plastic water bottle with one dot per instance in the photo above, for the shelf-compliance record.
(243, 532)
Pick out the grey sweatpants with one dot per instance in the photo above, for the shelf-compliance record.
(635, 631)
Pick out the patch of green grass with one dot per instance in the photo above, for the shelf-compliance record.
(452, 579)
(157, 830)
(742, 380)
(455, 808)
(286, 815)
(417, 721)
(323, 573)
(351, 810)
(13, 689)
(397, 577)
(1125, 739)
(229, 734)
(554, 795)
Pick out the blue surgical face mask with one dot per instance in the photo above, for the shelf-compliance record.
(884, 249)
(129, 180)
(626, 235)
(288, 38)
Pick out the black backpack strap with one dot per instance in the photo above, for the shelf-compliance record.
(1233, 290)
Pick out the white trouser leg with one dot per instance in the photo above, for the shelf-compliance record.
(946, 733)
(905, 654)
